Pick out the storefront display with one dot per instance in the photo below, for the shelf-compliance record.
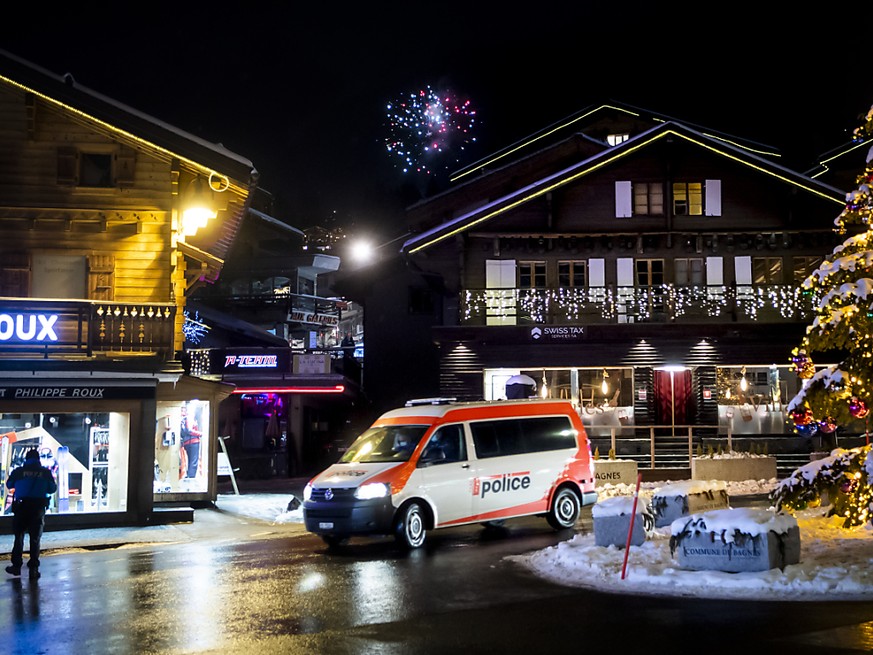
(87, 453)
(181, 449)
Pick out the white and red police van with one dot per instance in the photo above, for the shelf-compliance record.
(436, 463)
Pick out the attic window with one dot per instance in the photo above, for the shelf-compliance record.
(615, 139)
(103, 169)
(95, 170)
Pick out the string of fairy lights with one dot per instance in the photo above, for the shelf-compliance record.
(643, 303)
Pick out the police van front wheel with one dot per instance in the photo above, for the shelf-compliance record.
(565, 510)
(410, 528)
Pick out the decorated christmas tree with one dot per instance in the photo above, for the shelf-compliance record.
(842, 330)
(838, 394)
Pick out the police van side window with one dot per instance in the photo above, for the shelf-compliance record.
(522, 435)
(447, 444)
(548, 433)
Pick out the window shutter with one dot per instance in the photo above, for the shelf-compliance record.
(713, 198)
(743, 270)
(101, 277)
(624, 269)
(499, 273)
(623, 199)
(715, 271)
(125, 162)
(15, 275)
(68, 166)
(596, 273)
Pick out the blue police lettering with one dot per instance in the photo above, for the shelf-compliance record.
(505, 482)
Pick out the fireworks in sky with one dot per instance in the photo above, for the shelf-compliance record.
(428, 129)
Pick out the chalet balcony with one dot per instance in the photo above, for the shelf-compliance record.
(60, 329)
(665, 303)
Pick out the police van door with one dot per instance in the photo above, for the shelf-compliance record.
(443, 475)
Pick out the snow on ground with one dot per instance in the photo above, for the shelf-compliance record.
(835, 563)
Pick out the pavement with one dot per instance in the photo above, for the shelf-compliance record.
(259, 504)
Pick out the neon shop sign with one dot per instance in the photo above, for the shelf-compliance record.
(251, 361)
(28, 327)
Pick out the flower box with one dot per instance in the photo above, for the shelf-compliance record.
(733, 468)
(735, 540)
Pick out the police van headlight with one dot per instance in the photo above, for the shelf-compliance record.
(372, 490)
(307, 491)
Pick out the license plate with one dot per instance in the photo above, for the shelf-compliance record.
(325, 525)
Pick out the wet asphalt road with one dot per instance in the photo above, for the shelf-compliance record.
(234, 585)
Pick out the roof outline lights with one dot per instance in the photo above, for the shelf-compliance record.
(524, 143)
(117, 130)
(624, 151)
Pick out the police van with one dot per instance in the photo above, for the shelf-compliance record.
(436, 463)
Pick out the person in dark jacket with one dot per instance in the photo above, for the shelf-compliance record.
(32, 484)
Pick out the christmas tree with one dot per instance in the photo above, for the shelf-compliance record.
(843, 327)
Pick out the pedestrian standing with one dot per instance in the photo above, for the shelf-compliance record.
(33, 484)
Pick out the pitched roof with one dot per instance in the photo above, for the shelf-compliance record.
(634, 144)
(64, 91)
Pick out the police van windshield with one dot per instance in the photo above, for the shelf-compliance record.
(392, 443)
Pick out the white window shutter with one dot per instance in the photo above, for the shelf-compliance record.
(713, 198)
(499, 273)
(624, 270)
(714, 271)
(623, 196)
(596, 273)
(743, 269)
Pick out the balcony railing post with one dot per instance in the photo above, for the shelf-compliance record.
(652, 447)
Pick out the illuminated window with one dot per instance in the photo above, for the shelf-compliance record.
(766, 270)
(804, 267)
(531, 275)
(648, 199)
(572, 274)
(688, 198)
(615, 139)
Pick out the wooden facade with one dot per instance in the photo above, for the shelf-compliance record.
(97, 264)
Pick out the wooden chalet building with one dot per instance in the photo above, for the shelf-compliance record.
(645, 268)
(98, 257)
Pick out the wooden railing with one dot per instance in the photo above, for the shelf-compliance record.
(84, 328)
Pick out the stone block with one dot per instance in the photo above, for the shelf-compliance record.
(733, 468)
(675, 501)
(612, 519)
(615, 471)
(734, 549)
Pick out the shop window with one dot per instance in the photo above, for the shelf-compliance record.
(181, 447)
(88, 453)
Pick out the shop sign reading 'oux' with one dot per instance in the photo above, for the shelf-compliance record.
(28, 327)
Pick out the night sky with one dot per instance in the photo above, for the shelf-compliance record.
(302, 92)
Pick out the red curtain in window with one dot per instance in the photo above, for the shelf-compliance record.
(673, 395)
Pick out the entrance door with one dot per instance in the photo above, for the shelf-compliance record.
(674, 400)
